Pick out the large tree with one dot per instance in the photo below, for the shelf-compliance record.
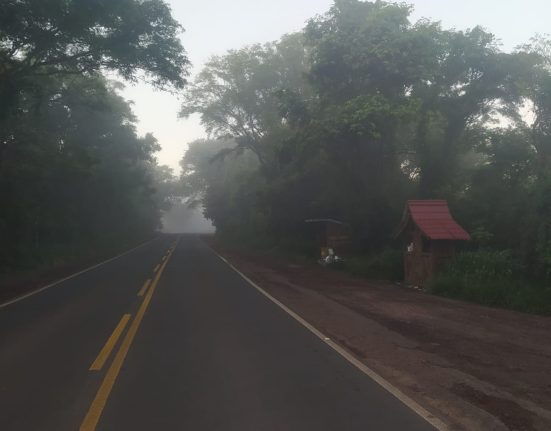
(58, 37)
(239, 94)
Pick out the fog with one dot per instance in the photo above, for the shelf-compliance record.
(357, 159)
(183, 219)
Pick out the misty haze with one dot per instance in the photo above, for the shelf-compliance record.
(180, 218)
(302, 215)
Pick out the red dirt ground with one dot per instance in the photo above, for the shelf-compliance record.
(476, 368)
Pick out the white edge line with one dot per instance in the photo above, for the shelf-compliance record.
(409, 402)
(55, 283)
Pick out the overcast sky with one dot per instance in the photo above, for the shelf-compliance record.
(214, 26)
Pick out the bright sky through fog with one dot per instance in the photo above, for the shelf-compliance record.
(214, 26)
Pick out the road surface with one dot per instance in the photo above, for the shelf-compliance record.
(194, 348)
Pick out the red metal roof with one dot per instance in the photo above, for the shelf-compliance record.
(435, 221)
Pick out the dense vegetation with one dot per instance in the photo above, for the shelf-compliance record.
(74, 175)
(365, 109)
(491, 278)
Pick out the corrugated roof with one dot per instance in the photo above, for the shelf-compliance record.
(435, 221)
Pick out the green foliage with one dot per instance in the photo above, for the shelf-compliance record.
(496, 293)
(483, 265)
(74, 174)
(387, 265)
(491, 278)
(79, 37)
(365, 109)
(239, 94)
(75, 177)
(224, 181)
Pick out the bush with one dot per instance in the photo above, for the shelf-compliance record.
(483, 265)
(388, 265)
(491, 278)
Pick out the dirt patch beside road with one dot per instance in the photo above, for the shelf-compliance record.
(476, 368)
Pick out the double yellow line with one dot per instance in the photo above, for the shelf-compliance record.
(96, 408)
(144, 287)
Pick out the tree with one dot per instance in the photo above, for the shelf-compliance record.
(360, 48)
(534, 81)
(74, 174)
(58, 37)
(458, 96)
(383, 110)
(225, 186)
(79, 176)
(365, 58)
(238, 95)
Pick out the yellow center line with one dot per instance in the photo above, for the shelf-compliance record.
(106, 351)
(96, 408)
(144, 287)
(157, 267)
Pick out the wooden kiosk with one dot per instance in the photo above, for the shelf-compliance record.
(430, 235)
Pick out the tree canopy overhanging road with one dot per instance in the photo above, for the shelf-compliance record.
(196, 347)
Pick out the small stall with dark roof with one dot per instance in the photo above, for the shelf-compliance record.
(331, 235)
(430, 237)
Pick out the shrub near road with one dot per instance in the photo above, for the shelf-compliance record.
(492, 278)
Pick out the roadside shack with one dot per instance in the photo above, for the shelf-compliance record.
(430, 236)
(331, 235)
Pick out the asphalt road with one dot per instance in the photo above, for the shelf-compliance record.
(199, 349)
